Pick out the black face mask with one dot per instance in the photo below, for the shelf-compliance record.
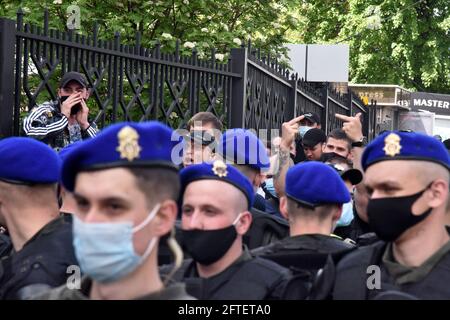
(75, 109)
(390, 217)
(208, 246)
(327, 156)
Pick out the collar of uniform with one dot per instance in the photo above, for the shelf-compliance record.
(404, 274)
(175, 291)
(191, 271)
(205, 288)
(49, 228)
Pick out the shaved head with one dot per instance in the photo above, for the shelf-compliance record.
(429, 171)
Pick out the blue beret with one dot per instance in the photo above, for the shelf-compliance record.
(126, 144)
(65, 151)
(314, 183)
(396, 145)
(25, 160)
(241, 146)
(220, 171)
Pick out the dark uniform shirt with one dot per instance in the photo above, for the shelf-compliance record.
(309, 251)
(428, 281)
(41, 263)
(6, 247)
(175, 291)
(358, 231)
(265, 229)
(248, 278)
(304, 255)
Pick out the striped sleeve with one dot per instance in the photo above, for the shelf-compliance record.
(91, 131)
(38, 124)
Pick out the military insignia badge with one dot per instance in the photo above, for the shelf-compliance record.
(128, 143)
(392, 145)
(220, 168)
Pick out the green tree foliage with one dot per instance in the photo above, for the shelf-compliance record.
(203, 24)
(210, 27)
(405, 42)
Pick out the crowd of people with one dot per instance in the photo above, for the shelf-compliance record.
(140, 211)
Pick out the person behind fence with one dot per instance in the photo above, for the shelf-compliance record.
(215, 216)
(407, 177)
(41, 237)
(203, 131)
(64, 121)
(126, 198)
(313, 204)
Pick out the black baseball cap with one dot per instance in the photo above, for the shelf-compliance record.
(446, 144)
(313, 117)
(313, 136)
(73, 76)
(353, 175)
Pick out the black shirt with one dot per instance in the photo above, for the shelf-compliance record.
(42, 262)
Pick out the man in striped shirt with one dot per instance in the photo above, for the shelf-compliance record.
(65, 121)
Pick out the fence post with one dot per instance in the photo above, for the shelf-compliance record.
(236, 116)
(350, 102)
(291, 110)
(7, 63)
(325, 122)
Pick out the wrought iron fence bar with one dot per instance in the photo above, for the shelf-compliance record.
(310, 98)
(339, 104)
(358, 105)
(99, 50)
(267, 72)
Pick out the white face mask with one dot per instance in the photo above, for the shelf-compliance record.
(346, 216)
(105, 250)
(303, 129)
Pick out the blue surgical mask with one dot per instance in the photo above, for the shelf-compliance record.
(303, 129)
(105, 250)
(346, 216)
(270, 187)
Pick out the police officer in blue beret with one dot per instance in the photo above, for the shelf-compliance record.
(126, 187)
(243, 149)
(42, 239)
(315, 194)
(407, 177)
(215, 216)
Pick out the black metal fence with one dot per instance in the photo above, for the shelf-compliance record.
(136, 83)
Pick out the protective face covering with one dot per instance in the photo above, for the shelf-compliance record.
(390, 217)
(346, 216)
(269, 187)
(105, 250)
(303, 129)
(326, 156)
(208, 246)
